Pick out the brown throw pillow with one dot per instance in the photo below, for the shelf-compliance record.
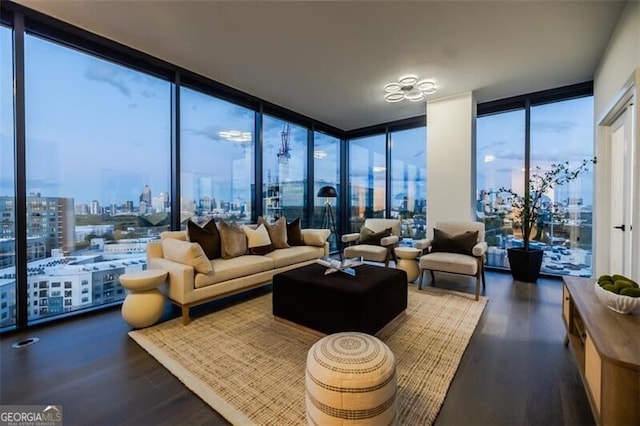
(277, 231)
(368, 236)
(461, 243)
(207, 236)
(294, 233)
(233, 239)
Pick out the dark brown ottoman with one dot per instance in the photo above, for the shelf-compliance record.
(340, 302)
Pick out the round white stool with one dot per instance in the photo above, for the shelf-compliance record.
(144, 303)
(407, 261)
(350, 379)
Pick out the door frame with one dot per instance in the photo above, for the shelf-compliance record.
(602, 178)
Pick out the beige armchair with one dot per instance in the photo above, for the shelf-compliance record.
(357, 244)
(454, 252)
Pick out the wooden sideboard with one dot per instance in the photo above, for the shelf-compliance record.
(606, 346)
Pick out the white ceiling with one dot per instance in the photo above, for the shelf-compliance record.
(330, 60)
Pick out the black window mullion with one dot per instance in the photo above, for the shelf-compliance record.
(22, 299)
(175, 152)
(257, 160)
(310, 195)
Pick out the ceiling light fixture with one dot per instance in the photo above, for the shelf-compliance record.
(235, 136)
(410, 88)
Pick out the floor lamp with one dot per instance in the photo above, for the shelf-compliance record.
(328, 221)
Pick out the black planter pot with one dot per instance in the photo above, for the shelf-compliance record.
(525, 264)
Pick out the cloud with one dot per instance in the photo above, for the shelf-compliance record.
(108, 75)
(547, 126)
(210, 132)
(149, 94)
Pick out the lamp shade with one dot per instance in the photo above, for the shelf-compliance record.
(327, 192)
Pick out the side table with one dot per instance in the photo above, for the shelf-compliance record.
(407, 261)
(144, 303)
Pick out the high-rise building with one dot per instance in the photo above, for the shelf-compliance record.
(146, 196)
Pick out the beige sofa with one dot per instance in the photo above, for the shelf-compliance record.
(193, 279)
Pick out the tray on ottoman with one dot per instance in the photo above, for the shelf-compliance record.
(333, 303)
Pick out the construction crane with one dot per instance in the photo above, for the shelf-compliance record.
(284, 154)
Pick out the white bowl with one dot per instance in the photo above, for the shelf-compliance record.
(617, 302)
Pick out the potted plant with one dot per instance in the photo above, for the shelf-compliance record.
(531, 210)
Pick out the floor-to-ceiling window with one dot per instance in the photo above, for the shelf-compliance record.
(326, 168)
(559, 131)
(563, 132)
(367, 180)
(499, 164)
(217, 158)
(7, 183)
(97, 175)
(284, 170)
(408, 181)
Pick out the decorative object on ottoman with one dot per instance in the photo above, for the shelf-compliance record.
(407, 261)
(345, 265)
(350, 379)
(144, 303)
(365, 302)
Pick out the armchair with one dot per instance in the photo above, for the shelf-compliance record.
(364, 243)
(452, 251)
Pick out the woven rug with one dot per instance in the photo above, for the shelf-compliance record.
(250, 368)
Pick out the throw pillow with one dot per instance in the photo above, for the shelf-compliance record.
(258, 241)
(315, 237)
(368, 236)
(188, 253)
(207, 236)
(461, 243)
(233, 240)
(294, 233)
(277, 231)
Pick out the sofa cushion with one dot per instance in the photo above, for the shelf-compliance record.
(187, 253)
(233, 240)
(294, 233)
(315, 237)
(178, 235)
(297, 254)
(258, 241)
(207, 236)
(237, 267)
(277, 231)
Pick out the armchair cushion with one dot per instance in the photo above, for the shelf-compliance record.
(368, 236)
(460, 243)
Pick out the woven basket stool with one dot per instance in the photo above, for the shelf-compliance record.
(350, 380)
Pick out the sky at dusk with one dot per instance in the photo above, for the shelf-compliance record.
(100, 131)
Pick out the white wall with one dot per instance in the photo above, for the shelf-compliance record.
(451, 159)
(618, 64)
(620, 59)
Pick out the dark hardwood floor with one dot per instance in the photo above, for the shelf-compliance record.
(515, 371)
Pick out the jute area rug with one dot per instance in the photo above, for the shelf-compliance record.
(250, 368)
